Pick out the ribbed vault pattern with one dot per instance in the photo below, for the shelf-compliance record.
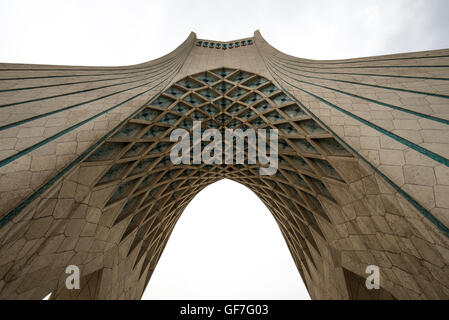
(147, 193)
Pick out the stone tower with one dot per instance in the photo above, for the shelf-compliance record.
(363, 178)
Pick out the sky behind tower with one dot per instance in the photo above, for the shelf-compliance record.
(236, 250)
(90, 32)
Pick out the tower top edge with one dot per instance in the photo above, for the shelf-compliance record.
(224, 44)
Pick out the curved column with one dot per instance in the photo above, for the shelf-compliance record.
(389, 111)
(52, 117)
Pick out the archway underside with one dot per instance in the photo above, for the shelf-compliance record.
(130, 195)
(146, 193)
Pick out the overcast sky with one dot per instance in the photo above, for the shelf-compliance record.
(128, 32)
(234, 251)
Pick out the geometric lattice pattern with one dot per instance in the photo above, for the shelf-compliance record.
(150, 192)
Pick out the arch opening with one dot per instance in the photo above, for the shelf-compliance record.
(226, 246)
